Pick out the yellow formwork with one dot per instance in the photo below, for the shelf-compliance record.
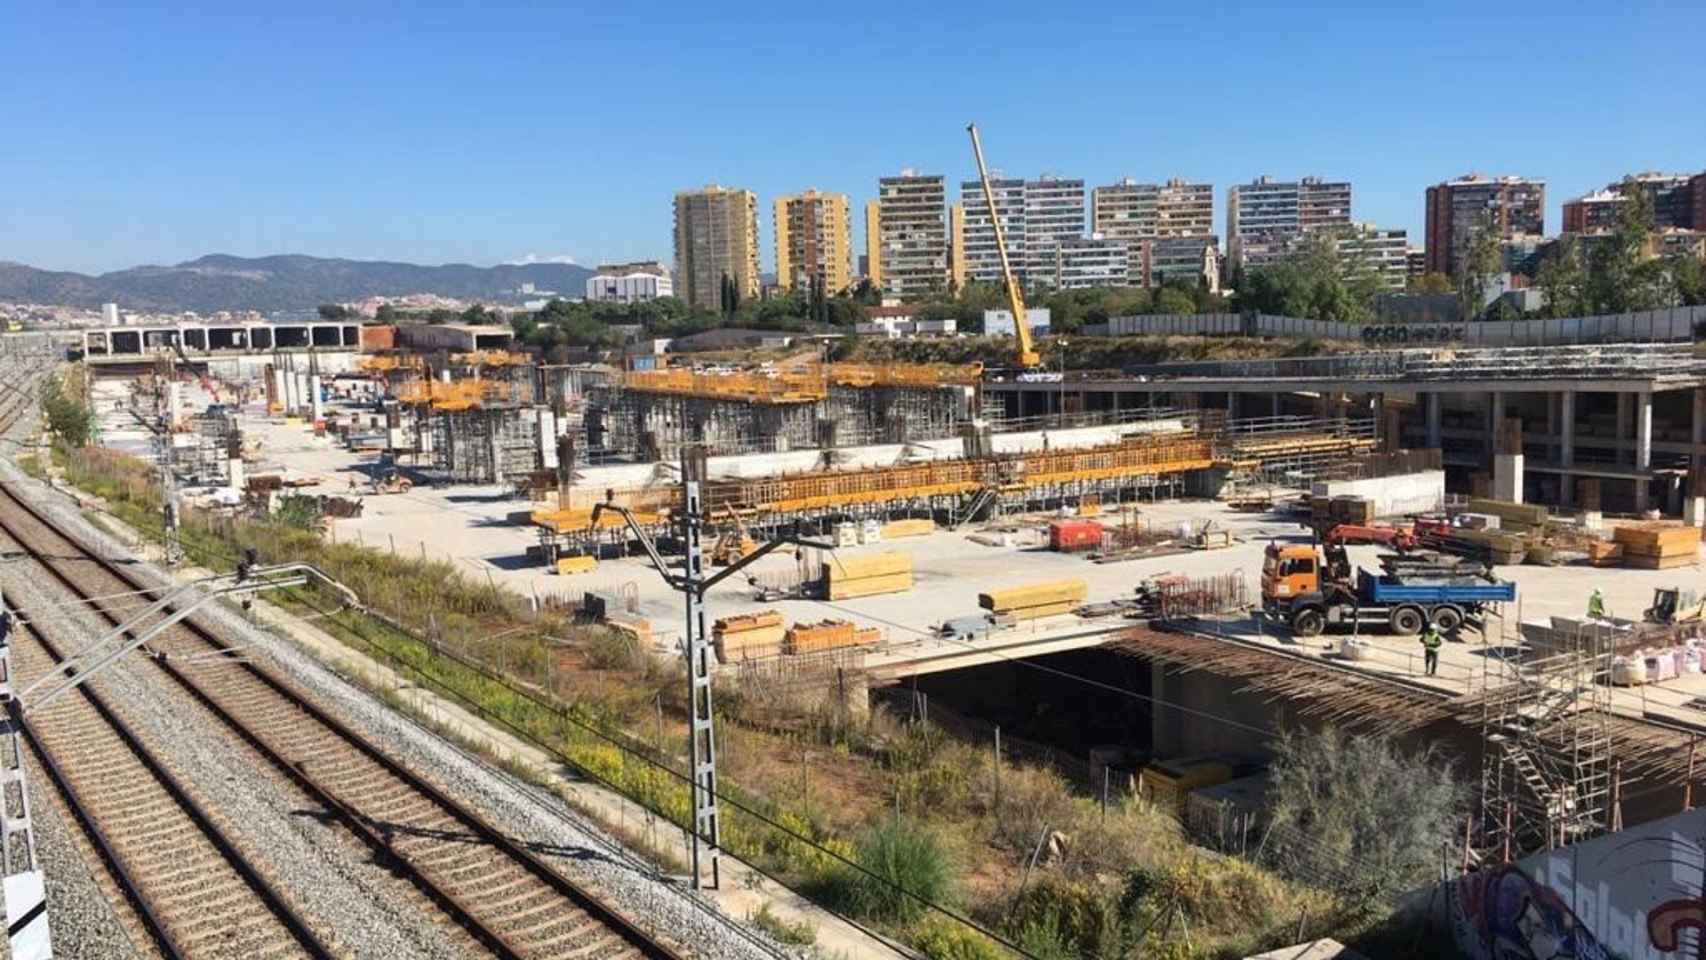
(875, 565)
(745, 387)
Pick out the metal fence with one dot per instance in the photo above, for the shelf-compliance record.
(1672, 325)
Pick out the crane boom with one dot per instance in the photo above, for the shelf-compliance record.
(1028, 356)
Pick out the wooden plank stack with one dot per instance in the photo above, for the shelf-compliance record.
(1658, 546)
(828, 635)
(848, 577)
(1035, 600)
(748, 636)
(916, 527)
(1517, 518)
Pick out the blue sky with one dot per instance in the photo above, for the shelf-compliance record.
(481, 132)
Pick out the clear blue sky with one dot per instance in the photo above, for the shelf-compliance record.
(434, 132)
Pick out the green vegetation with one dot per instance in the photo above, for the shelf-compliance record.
(1360, 813)
(899, 857)
(1314, 281)
(1082, 353)
(69, 418)
(1620, 271)
(798, 934)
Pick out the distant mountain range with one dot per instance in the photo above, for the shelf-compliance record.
(282, 283)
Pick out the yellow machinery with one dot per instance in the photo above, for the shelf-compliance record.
(1028, 356)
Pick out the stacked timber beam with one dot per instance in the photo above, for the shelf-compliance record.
(845, 578)
(1658, 546)
(1036, 600)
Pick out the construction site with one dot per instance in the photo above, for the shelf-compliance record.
(1141, 576)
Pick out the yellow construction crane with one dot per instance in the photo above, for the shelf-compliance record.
(1028, 356)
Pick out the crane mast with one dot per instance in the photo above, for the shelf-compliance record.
(1028, 356)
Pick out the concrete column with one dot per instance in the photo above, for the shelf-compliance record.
(315, 405)
(1697, 456)
(235, 474)
(1643, 431)
(1163, 734)
(547, 439)
(1567, 428)
(1234, 405)
(1623, 400)
(174, 403)
(1431, 402)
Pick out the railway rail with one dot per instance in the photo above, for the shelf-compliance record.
(193, 892)
(501, 895)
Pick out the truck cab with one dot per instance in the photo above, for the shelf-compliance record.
(1289, 572)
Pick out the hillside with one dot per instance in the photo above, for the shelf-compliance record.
(287, 282)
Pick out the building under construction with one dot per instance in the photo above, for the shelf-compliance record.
(651, 415)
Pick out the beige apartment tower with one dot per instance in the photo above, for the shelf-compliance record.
(874, 243)
(912, 236)
(716, 236)
(813, 240)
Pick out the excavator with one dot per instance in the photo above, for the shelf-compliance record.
(1028, 357)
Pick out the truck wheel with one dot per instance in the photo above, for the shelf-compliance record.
(1447, 618)
(1308, 622)
(1406, 621)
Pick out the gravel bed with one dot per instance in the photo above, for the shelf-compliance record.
(355, 904)
(562, 837)
(79, 915)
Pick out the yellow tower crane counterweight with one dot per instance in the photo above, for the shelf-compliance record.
(1028, 356)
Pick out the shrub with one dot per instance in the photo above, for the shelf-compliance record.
(946, 940)
(1056, 918)
(1358, 813)
(794, 933)
(899, 855)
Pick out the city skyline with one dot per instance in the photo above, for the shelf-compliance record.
(144, 154)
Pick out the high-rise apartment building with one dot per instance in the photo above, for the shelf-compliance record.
(1193, 261)
(1415, 262)
(1133, 212)
(812, 241)
(629, 282)
(1512, 206)
(1054, 213)
(1093, 261)
(1265, 217)
(1384, 252)
(1672, 197)
(912, 235)
(873, 268)
(1697, 192)
(977, 257)
(716, 236)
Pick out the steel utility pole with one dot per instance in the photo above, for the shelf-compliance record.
(693, 584)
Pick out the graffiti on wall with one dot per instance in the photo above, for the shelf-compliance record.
(1632, 895)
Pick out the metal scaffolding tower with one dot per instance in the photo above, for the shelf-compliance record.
(1546, 770)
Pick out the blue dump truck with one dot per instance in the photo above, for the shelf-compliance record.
(1308, 592)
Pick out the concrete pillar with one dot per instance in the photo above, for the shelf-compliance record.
(1643, 431)
(1567, 428)
(1495, 414)
(1507, 477)
(280, 392)
(1694, 511)
(315, 405)
(1234, 405)
(1163, 732)
(547, 439)
(1622, 424)
(1431, 402)
(236, 478)
(1697, 456)
(174, 403)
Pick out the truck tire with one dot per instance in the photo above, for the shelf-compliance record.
(1406, 621)
(1447, 618)
(1308, 622)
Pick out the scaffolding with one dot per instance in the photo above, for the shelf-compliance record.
(494, 445)
(1546, 770)
(651, 416)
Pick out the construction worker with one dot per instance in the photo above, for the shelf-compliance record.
(1596, 606)
(1430, 648)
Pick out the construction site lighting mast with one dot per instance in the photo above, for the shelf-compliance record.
(1028, 356)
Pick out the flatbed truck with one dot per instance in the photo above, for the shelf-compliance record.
(1308, 593)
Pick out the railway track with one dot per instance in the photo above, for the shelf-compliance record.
(502, 898)
(192, 891)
